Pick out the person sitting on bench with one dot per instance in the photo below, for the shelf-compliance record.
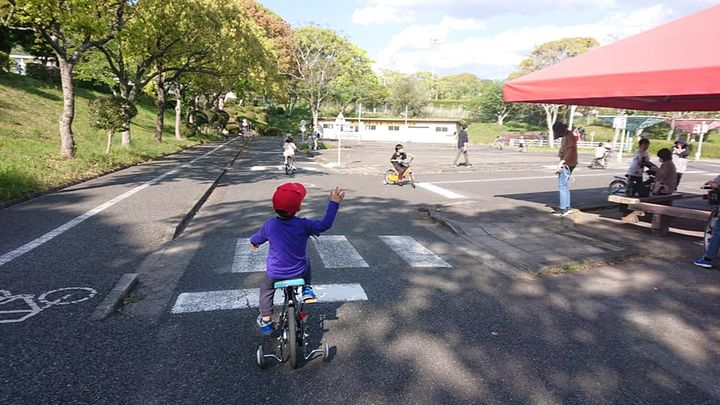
(666, 179)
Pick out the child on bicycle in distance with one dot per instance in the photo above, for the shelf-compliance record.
(399, 160)
(288, 236)
(289, 149)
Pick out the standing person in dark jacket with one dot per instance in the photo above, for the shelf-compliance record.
(568, 160)
(462, 146)
(288, 236)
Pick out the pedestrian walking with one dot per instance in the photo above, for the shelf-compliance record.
(566, 165)
(462, 146)
(680, 154)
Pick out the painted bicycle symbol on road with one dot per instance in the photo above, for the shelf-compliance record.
(19, 307)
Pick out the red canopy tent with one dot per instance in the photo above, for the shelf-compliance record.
(674, 67)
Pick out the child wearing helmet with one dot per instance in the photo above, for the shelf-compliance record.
(288, 236)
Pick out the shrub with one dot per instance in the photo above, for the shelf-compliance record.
(233, 128)
(222, 118)
(112, 114)
(47, 74)
(270, 131)
(200, 119)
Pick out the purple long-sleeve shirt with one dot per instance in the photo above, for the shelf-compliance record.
(288, 238)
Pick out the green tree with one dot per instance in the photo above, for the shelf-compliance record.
(112, 114)
(548, 54)
(406, 92)
(70, 28)
(322, 62)
(461, 86)
(148, 48)
(489, 104)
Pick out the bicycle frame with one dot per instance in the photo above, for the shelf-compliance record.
(293, 296)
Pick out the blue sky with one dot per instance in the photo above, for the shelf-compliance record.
(485, 37)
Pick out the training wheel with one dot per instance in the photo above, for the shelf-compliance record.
(326, 352)
(260, 357)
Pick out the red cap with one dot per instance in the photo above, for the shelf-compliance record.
(288, 197)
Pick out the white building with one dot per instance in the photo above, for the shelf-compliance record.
(429, 130)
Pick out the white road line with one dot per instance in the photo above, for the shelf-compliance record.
(7, 257)
(336, 252)
(249, 298)
(439, 190)
(247, 261)
(263, 168)
(413, 252)
(606, 174)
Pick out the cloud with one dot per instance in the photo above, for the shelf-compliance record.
(496, 55)
(406, 11)
(380, 14)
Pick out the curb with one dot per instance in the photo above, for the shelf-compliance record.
(198, 205)
(112, 300)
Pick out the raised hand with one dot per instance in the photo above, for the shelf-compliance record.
(337, 195)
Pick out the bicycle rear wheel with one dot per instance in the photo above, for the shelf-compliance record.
(292, 336)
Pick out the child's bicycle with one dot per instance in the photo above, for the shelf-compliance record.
(291, 328)
(289, 168)
(392, 176)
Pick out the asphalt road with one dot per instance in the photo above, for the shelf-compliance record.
(454, 332)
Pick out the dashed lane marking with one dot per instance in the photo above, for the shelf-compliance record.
(249, 298)
(439, 190)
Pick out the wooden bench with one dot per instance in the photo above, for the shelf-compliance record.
(655, 199)
(662, 214)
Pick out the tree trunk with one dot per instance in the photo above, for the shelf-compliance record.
(178, 115)
(671, 132)
(109, 142)
(125, 94)
(550, 117)
(221, 103)
(501, 119)
(160, 119)
(67, 141)
(571, 118)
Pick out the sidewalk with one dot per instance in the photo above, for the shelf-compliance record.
(528, 237)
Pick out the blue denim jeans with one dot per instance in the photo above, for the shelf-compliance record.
(564, 187)
(714, 243)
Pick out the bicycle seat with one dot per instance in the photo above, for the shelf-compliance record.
(293, 282)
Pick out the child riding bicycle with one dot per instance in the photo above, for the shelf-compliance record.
(289, 149)
(400, 161)
(288, 236)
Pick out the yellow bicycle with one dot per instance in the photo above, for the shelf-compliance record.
(392, 176)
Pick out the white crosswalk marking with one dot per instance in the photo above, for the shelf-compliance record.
(337, 252)
(246, 260)
(413, 252)
(249, 298)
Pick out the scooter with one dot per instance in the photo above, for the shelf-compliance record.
(619, 186)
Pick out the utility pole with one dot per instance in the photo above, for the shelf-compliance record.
(433, 44)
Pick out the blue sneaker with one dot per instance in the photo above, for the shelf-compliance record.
(308, 295)
(703, 262)
(266, 327)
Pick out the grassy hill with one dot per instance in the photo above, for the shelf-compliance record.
(30, 142)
